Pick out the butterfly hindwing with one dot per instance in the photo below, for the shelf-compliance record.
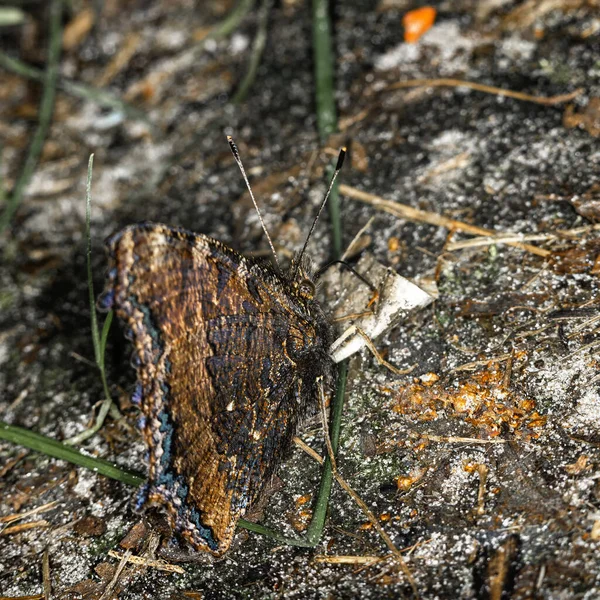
(226, 356)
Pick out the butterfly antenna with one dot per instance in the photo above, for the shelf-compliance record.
(238, 160)
(338, 168)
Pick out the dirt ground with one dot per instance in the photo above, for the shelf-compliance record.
(483, 463)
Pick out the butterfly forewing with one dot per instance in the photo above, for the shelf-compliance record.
(226, 357)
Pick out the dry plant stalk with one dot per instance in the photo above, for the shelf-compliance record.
(28, 513)
(160, 565)
(404, 211)
(112, 584)
(24, 527)
(488, 89)
(359, 501)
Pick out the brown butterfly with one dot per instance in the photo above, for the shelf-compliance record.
(227, 353)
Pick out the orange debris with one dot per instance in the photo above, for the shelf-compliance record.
(417, 22)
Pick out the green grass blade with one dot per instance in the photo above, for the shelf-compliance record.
(79, 90)
(104, 337)
(45, 116)
(275, 535)
(327, 124)
(98, 340)
(232, 21)
(50, 447)
(324, 69)
(325, 104)
(258, 48)
(90, 282)
(315, 529)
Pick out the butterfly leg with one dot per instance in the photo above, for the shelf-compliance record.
(371, 346)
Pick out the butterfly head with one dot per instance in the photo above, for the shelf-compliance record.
(301, 279)
(306, 290)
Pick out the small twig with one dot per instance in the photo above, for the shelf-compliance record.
(306, 448)
(83, 359)
(349, 251)
(22, 395)
(160, 565)
(46, 575)
(483, 473)
(507, 238)
(24, 527)
(34, 511)
(488, 89)
(366, 510)
(587, 324)
(508, 371)
(404, 211)
(350, 560)
(112, 584)
(11, 463)
(44, 116)
(478, 363)
(585, 347)
(450, 439)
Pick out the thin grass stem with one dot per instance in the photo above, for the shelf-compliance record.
(325, 105)
(79, 90)
(232, 21)
(98, 340)
(327, 124)
(44, 116)
(258, 48)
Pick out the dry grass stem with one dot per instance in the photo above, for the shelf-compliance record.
(351, 247)
(24, 527)
(304, 446)
(34, 511)
(483, 473)
(403, 211)
(350, 560)
(450, 439)
(112, 584)
(479, 363)
(160, 565)
(46, 575)
(509, 238)
(488, 89)
(359, 501)
(120, 60)
(352, 316)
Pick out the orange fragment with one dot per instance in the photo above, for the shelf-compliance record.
(393, 244)
(303, 499)
(417, 22)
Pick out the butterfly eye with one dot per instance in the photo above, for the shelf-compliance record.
(306, 289)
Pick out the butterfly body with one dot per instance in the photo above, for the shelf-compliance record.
(227, 353)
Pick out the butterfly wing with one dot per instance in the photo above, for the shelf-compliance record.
(225, 358)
